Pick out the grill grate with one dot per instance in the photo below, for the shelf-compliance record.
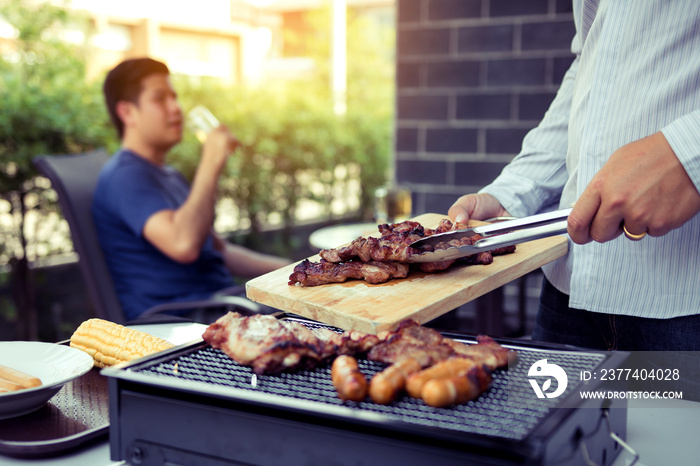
(509, 409)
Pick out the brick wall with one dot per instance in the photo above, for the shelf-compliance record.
(473, 76)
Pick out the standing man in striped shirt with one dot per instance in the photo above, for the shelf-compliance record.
(621, 141)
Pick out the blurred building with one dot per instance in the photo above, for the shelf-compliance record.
(237, 41)
(224, 39)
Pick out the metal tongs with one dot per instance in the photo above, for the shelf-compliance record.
(495, 235)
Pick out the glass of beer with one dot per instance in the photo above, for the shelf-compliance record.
(392, 204)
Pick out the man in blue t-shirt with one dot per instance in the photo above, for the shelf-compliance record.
(156, 230)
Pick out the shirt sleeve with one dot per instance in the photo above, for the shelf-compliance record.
(138, 197)
(534, 179)
(683, 135)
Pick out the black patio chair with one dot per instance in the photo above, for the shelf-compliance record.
(74, 178)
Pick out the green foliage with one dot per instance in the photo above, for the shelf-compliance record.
(47, 106)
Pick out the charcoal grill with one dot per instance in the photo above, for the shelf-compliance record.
(193, 405)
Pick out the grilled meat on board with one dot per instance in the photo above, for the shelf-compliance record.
(309, 273)
(392, 245)
(378, 260)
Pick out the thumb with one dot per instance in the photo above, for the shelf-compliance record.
(461, 218)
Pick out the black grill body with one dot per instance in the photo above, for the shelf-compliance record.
(194, 405)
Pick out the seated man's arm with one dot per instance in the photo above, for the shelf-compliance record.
(243, 262)
(180, 233)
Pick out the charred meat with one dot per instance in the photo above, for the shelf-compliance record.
(421, 361)
(308, 273)
(440, 370)
(378, 260)
(270, 345)
(410, 339)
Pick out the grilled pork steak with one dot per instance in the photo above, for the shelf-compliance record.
(378, 260)
(270, 345)
(429, 346)
(308, 273)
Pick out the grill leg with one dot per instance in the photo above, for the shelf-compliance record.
(489, 313)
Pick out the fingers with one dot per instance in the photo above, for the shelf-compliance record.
(461, 210)
(478, 206)
(222, 141)
(579, 221)
(642, 189)
(232, 143)
(591, 220)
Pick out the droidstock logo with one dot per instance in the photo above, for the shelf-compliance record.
(544, 369)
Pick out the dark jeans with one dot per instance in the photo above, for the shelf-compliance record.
(558, 323)
(654, 343)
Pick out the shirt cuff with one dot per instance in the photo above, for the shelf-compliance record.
(517, 203)
(683, 135)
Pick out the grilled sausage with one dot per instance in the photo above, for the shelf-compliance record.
(9, 386)
(448, 368)
(347, 379)
(13, 376)
(456, 389)
(385, 385)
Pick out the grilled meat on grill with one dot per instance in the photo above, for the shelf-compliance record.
(347, 379)
(441, 356)
(456, 389)
(386, 385)
(270, 345)
(378, 260)
(411, 340)
(487, 351)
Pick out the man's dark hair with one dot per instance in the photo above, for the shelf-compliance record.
(124, 83)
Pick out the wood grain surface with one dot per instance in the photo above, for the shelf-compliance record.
(357, 305)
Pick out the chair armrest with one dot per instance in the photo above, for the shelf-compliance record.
(245, 305)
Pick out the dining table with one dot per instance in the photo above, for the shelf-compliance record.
(662, 432)
(340, 234)
(73, 427)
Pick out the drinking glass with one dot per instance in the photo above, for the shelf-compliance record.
(202, 122)
(392, 204)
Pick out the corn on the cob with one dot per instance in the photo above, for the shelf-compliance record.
(109, 343)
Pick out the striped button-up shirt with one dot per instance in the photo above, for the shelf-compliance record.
(636, 72)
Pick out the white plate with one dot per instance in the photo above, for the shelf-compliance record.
(53, 364)
(177, 333)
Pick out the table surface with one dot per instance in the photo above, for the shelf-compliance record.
(663, 433)
(91, 449)
(338, 235)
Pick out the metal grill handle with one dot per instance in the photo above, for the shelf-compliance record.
(615, 437)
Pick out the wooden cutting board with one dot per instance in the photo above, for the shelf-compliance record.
(357, 305)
